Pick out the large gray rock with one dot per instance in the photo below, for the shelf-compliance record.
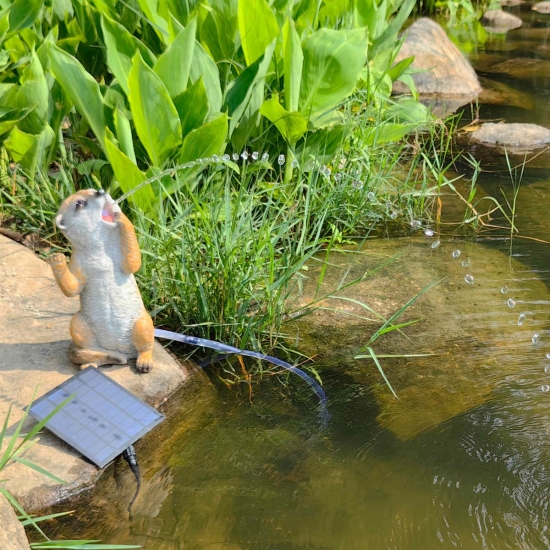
(34, 339)
(445, 70)
(12, 533)
(542, 7)
(517, 135)
(500, 21)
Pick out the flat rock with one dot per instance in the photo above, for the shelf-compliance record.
(542, 7)
(34, 340)
(469, 328)
(517, 135)
(446, 70)
(12, 533)
(500, 21)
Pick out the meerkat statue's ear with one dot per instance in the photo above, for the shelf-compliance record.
(59, 222)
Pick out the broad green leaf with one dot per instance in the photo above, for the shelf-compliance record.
(293, 63)
(258, 28)
(155, 118)
(174, 65)
(62, 9)
(389, 36)
(29, 149)
(408, 110)
(192, 107)
(248, 84)
(80, 87)
(150, 9)
(124, 134)
(12, 116)
(23, 13)
(205, 141)
(128, 175)
(121, 48)
(291, 125)
(332, 64)
(4, 25)
(34, 92)
(321, 145)
(219, 30)
(204, 66)
(399, 68)
(388, 132)
(183, 12)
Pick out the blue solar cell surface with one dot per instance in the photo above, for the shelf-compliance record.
(102, 419)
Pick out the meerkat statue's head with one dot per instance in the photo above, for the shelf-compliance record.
(86, 216)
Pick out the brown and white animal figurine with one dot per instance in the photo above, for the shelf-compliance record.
(112, 325)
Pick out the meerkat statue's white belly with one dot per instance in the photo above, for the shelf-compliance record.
(110, 301)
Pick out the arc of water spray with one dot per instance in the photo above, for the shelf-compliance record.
(168, 172)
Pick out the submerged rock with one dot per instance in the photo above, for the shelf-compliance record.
(511, 3)
(12, 533)
(523, 68)
(517, 135)
(542, 7)
(500, 21)
(447, 71)
(498, 93)
(463, 324)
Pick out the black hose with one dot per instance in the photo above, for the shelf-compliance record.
(130, 456)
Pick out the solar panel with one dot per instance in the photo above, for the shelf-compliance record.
(101, 421)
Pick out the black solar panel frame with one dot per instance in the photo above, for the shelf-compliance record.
(80, 410)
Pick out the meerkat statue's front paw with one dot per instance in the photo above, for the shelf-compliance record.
(57, 261)
(144, 362)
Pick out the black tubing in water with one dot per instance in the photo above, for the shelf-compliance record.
(224, 348)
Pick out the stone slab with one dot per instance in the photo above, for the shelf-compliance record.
(34, 341)
(12, 533)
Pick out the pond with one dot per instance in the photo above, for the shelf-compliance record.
(462, 460)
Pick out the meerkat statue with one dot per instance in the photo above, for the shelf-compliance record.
(112, 325)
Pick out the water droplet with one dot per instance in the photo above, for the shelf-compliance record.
(371, 196)
(215, 158)
(294, 163)
(281, 159)
(535, 339)
(311, 166)
(235, 157)
(393, 215)
(265, 157)
(548, 356)
(337, 176)
(469, 279)
(547, 369)
(255, 155)
(511, 303)
(429, 232)
(357, 184)
(416, 224)
(545, 388)
(435, 244)
(456, 253)
(504, 290)
(226, 157)
(521, 318)
(466, 263)
(325, 170)
(244, 155)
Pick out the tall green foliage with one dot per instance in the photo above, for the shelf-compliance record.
(150, 84)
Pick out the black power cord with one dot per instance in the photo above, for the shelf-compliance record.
(130, 456)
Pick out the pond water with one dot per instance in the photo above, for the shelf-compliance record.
(462, 461)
